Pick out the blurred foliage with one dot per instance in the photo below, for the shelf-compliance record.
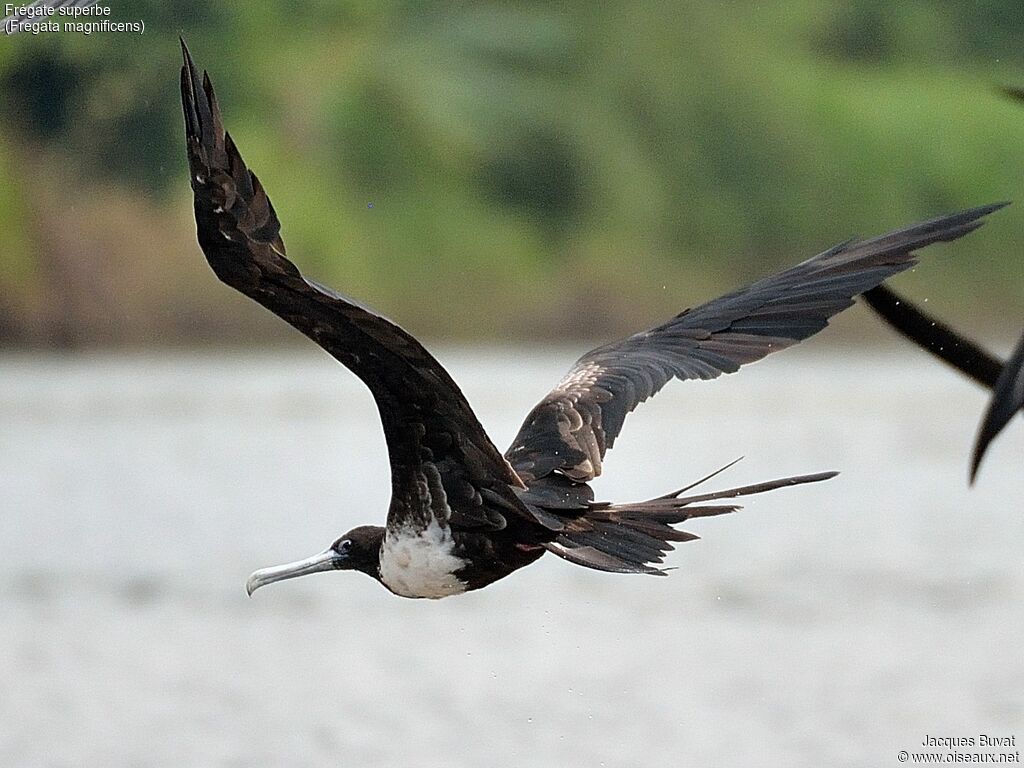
(513, 168)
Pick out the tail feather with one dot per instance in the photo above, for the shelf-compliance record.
(625, 545)
(749, 490)
(597, 559)
(633, 537)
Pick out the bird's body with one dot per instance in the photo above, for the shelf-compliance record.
(462, 514)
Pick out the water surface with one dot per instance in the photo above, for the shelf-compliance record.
(825, 625)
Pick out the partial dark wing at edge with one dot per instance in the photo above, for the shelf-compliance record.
(934, 336)
(1007, 400)
(966, 356)
(570, 430)
(424, 414)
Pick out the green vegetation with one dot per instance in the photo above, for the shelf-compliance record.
(481, 169)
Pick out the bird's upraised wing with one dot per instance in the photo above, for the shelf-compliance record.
(1006, 381)
(570, 430)
(425, 416)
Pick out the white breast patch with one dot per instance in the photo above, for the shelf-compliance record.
(421, 563)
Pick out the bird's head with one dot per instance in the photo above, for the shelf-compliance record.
(357, 550)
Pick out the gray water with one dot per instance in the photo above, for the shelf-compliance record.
(832, 624)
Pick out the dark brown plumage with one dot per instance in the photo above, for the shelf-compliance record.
(463, 515)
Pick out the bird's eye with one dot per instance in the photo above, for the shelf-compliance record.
(343, 546)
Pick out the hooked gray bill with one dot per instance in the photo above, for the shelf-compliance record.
(325, 561)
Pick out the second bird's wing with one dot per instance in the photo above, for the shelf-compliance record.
(1007, 399)
(1006, 381)
(934, 336)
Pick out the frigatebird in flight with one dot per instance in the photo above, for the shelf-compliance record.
(1006, 380)
(462, 515)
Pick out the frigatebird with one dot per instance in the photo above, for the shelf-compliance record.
(463, 515)
(1006, 380)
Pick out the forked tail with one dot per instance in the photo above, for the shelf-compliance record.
(628, 538)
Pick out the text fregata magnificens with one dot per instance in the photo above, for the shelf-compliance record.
(462, 515)
(1006, 380)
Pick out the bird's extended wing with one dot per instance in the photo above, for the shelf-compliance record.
(1006, 381)
(425, 416)
(570, 430)
(934, 336)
